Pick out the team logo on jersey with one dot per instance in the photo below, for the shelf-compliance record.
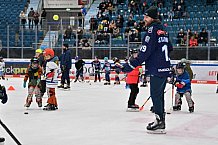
(147, 38)
(161, 32)
(150, 29)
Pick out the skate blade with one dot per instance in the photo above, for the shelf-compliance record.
(158, 131)
(132, 110)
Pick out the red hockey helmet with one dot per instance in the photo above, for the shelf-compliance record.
(48, 51)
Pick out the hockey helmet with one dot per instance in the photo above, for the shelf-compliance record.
(77, 58)
(180, 65)
(34, 63)
(38, 51)
(115, 59)
(105, 58)
(183, 60)
(49, 51)
(134, 50)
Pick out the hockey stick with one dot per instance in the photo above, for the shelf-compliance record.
(142, 107)
(10, 133)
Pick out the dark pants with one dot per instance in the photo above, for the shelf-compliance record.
(43, 87)
(65, 77)
(97, 75)
(79, 72)
(133, 94)
(107, 76)
(157, 86)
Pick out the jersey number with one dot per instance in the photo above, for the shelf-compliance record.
(165, 50)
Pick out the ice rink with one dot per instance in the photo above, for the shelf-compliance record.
(94, 114)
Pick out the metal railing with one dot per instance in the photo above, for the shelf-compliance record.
(23, 43)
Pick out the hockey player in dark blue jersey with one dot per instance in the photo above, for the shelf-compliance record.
(96, 64)
(183, 85)
(155, 53)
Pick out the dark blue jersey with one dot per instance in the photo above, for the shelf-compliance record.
(155, 51)
(184, 77)
(96, 64)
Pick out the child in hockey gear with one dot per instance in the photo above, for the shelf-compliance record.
(79, 63)
(51, 73)
(117, 68)
(3, 94)
(183, 85)
(65, 64)
(2, 68)
(96, 65)
(33, 73)
(107, 69)
(39, 55)
(133, 80)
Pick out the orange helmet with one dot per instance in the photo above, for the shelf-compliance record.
(48, 51)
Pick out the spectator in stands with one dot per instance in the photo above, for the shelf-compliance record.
(134, 35)
(43, 17)
(68, 33)
(23, 18)
(175, 5)
(178, 13)
(133, 8)
(36, 19)
(203, 37)
(93, 23)
(102, 6)
(112, 24)
(120, 17)
(193, 42)
(119, 24)
(81, 15)
(182, 4)
(142, 26)
(110, 8)
(130, 22)
(190, 34)
(196, 35)
(144, 7)
(31, 18)
(180, 37)
(116, 32)
(105, 38)
(159, 16)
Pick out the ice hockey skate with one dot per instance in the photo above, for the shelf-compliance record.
(132, 108)
(177, 108)
(191, 109)
(50, 107)
(156, 127)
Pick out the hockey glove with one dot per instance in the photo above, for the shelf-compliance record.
(140, 70)
(178, 85)
(24, 84)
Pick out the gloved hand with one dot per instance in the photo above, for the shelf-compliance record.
(140, 70)
(179, 85)
(24, 84)
(63, 67)
(38, 82)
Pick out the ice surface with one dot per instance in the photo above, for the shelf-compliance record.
(96, 115)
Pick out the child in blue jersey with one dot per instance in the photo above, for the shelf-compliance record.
(107, 68)
(183, 85)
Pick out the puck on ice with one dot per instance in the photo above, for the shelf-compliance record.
(26, 113)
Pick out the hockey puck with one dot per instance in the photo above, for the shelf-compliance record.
(168, 113)
(26, 113)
